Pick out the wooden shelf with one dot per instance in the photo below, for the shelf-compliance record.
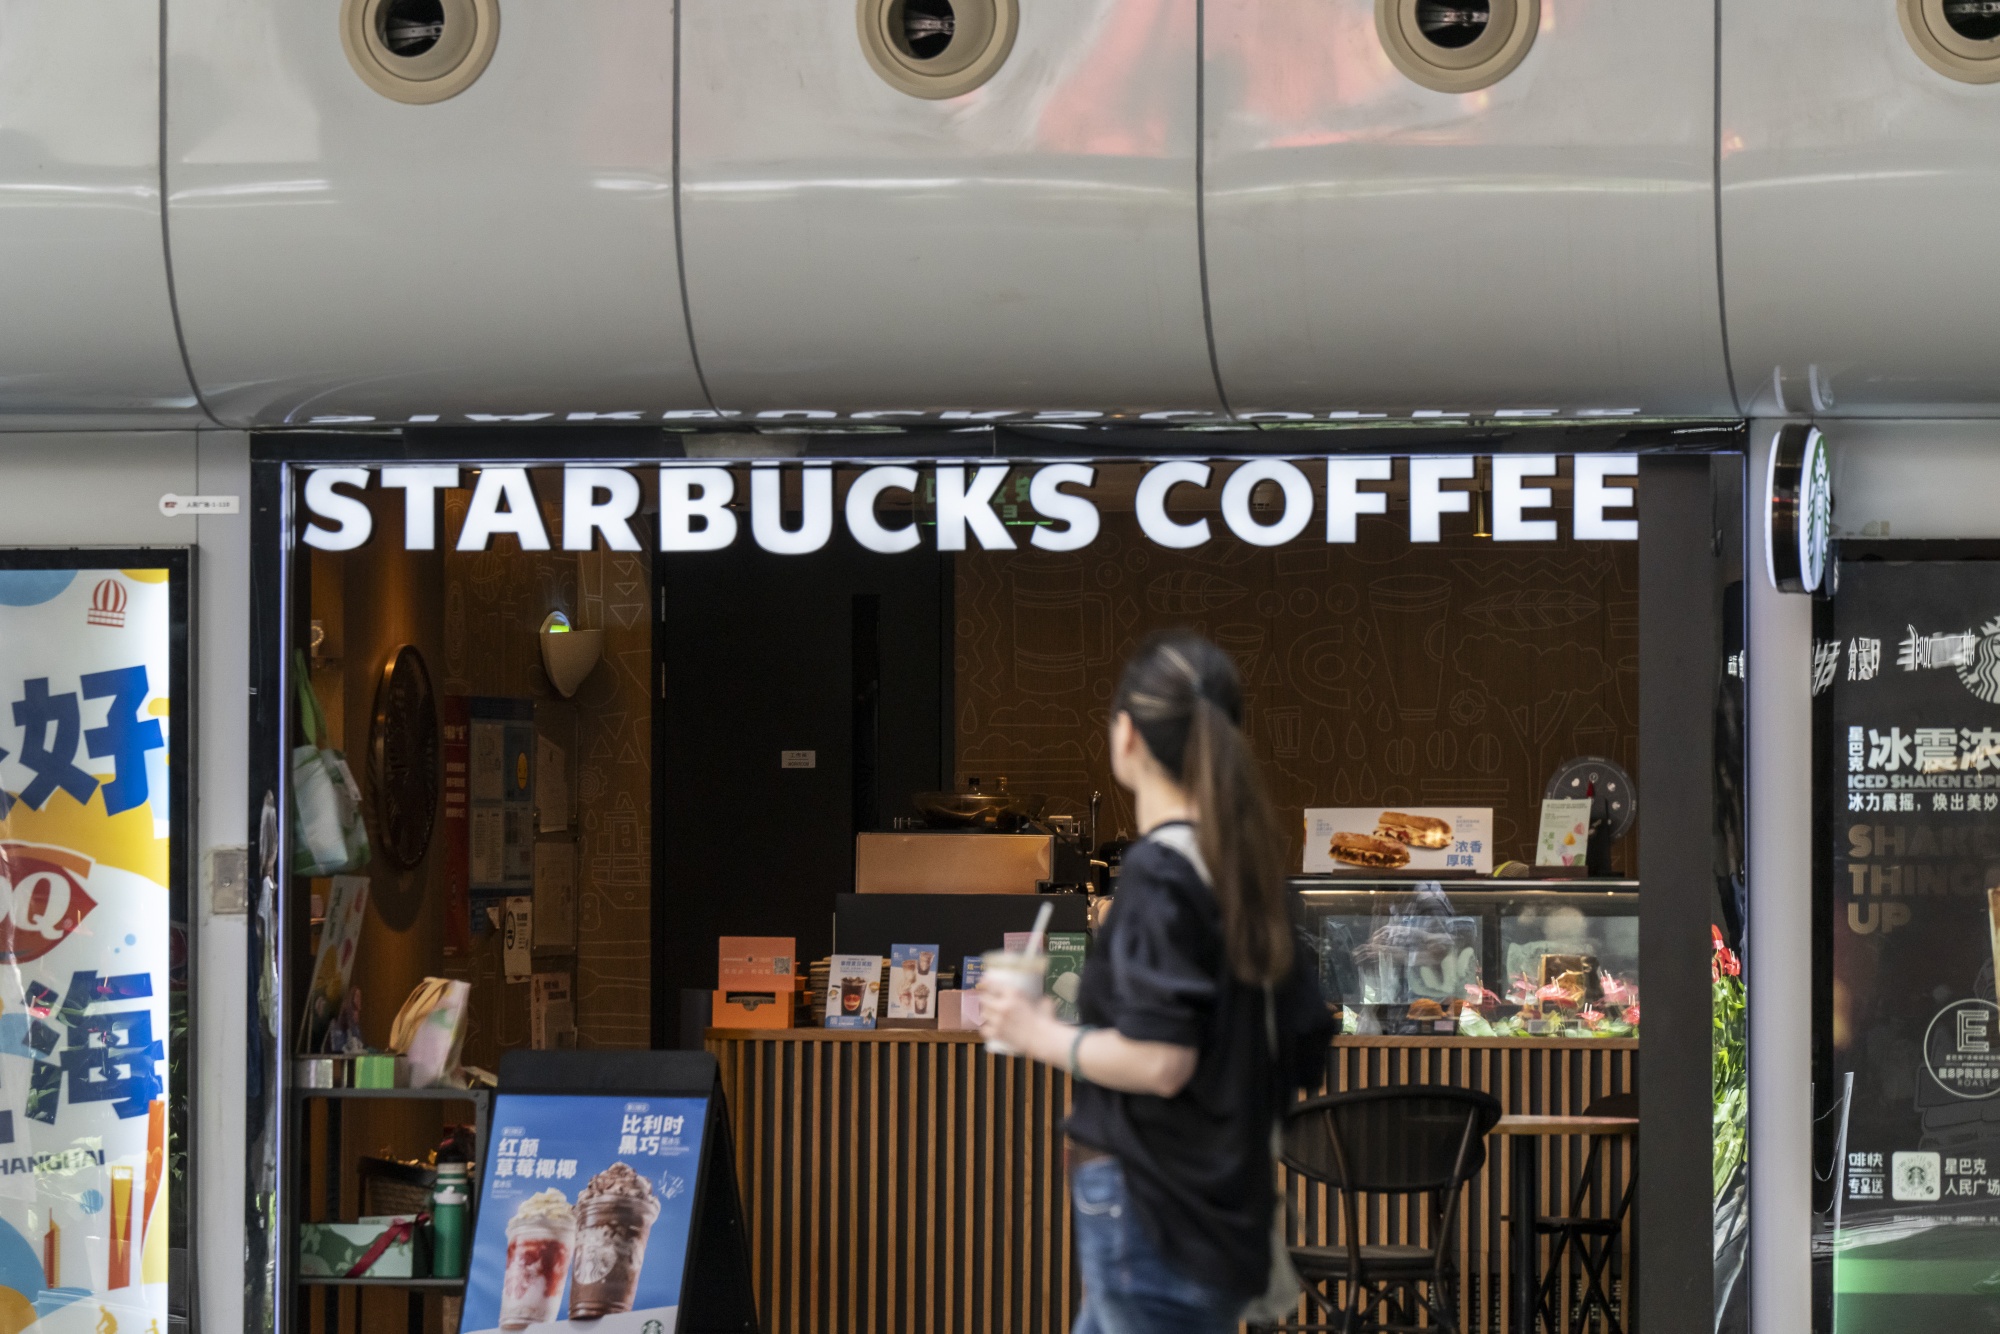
(412, 1284)
(397, 1095)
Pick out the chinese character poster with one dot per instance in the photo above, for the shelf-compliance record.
(585, 1214)
(85, 931)
(1910, 753)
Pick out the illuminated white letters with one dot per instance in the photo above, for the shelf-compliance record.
(1152, 505)
(419, 487)
(484, 518)
(1345, 501)
(1591, 497)
(584, 516)
(687, 494)
(695, 513)
(1051, 502)
(767, 511)
(356, 523)
(1510, 497)
(1428, 501)
(861, 520)
(1292, 520)
(959, 508)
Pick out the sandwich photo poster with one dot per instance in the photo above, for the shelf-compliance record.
(1907, 711)
(585, 1213)
(1369, 840)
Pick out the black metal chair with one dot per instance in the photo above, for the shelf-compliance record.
(1593, 1237)
(1414, 1139)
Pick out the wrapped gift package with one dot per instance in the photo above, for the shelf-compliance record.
(333, 1250)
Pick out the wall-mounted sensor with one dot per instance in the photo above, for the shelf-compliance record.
(1457, 46)
(936, 48)
(419, 51)
(1958, 38)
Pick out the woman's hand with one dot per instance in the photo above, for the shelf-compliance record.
(1108, 1058)
(1028, 1024)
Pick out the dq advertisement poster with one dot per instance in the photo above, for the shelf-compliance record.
(1912, 776)
(585, 1214)
(85, 739)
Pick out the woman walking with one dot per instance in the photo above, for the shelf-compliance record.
(1201, 1015)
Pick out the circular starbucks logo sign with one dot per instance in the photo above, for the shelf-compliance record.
(1798, 516)
(1962, 1048)
(1815, 512)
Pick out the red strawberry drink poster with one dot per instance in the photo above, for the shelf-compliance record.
(85, 857)
(585, 1214)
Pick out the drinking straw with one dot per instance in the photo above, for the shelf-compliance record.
(1041, 928)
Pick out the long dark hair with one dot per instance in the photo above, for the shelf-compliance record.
(1183, 695)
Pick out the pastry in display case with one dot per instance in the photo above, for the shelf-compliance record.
(1530, 961)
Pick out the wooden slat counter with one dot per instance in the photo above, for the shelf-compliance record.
(906, 1181)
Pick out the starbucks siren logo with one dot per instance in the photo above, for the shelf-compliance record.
(1981, 675)
(1975, 655)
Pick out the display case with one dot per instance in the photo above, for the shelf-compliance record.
(1479, 958)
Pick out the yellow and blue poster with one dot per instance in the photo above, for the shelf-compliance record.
(86, 851)
(587, 1206)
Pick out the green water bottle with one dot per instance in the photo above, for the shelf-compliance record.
(451, 1200)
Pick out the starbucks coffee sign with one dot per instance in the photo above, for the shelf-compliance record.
(704, 507)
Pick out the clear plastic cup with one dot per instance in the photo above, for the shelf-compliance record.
(1025, 973)
(538, 1256)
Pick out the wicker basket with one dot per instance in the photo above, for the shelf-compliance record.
(392, 1188)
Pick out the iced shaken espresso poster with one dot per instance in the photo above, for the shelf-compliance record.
(585, 1214)
(1909, 703)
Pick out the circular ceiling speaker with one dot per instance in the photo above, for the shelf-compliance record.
(1958, 38)
(1457, 46)
(419, 51)
(937, 48)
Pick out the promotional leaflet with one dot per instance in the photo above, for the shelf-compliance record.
(913, 981)
(585, 1215)
(853, 990)
(86, 857)
(1373, 839)
(1909, 711)
(1563, 839)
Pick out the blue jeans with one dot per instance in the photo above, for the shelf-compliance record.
(1128, 1286)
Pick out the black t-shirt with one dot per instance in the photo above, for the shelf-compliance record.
(1198, 1164)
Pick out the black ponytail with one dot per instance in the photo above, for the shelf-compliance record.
(1186, 701)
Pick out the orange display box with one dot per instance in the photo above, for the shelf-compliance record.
(744, 1008)
(757, 963)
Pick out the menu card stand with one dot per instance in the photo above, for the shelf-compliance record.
(608, 1088)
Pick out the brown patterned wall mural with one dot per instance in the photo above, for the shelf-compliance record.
(494, 603)
(476, 617)
(1451, 674)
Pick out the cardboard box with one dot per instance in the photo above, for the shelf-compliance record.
(761, 963)
(940, 862)
(750, 1008)
(332, 1250)
(381, 1070)
(958, 1011)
